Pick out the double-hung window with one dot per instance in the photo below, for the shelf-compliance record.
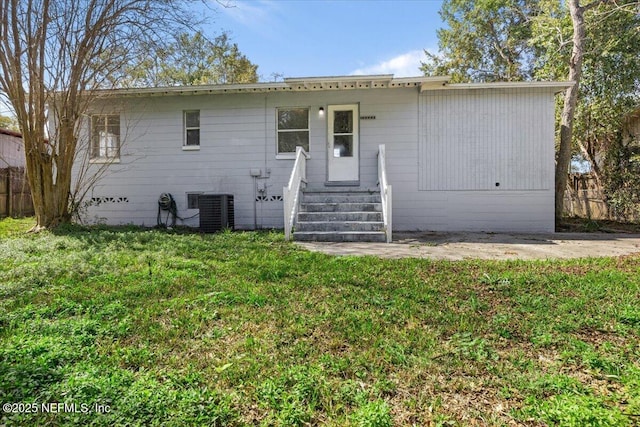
(105, 137)
(293, 129)
(191, 129)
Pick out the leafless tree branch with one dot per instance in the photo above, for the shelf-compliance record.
(54, 57)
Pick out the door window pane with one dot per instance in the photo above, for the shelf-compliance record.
(343, 146)
(343, 122)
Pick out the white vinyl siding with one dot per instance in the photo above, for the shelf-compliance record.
(485, 140)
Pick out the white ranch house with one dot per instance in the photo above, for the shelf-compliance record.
(376, 153)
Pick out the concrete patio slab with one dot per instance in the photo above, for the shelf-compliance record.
(496, 246)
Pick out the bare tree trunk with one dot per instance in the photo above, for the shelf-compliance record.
(54, 58)
(563, 157)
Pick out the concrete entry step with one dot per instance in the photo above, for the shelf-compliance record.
(340, 215)
(340, 226)
(339, 236)
(348, 189)
(340, 207)
(340, 198)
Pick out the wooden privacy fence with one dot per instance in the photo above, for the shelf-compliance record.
(585, 199)
(15, 195)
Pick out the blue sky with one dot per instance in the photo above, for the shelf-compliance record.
(301, 38)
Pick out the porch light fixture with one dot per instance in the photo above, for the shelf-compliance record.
(321, 112)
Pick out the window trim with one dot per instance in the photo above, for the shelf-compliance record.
(288, 155)
(104, 119)
(185, 128)
(105, 160)
(190, 148)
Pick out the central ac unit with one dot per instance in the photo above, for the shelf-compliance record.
(216, 212)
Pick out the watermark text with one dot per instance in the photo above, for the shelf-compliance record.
(54, 408)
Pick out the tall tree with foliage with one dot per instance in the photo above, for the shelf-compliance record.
(54, 56)
(596, 44)
(7, 122)
(193, 59)
(563, 155)
(485, 40)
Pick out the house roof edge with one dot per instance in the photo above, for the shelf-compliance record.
(10, 132)
(376, 81)
(295, 84)
(558, 86)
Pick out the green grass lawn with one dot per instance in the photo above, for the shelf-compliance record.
(173, 329)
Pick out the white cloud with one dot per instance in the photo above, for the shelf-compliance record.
(404, 65)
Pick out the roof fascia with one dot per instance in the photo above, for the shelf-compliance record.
(10, 133)
(378, 81)
(557, 86)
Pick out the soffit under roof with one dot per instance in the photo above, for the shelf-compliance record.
(297, 84)
(330, 83)
(379, 81)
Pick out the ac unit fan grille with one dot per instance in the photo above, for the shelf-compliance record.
(216, 212)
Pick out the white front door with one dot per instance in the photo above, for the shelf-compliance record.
(343, 156)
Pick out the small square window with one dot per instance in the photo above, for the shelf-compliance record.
(192, 200)
(105, 137)
(293, 129)
(192, 128)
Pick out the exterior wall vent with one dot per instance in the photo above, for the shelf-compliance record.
(216, 212)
